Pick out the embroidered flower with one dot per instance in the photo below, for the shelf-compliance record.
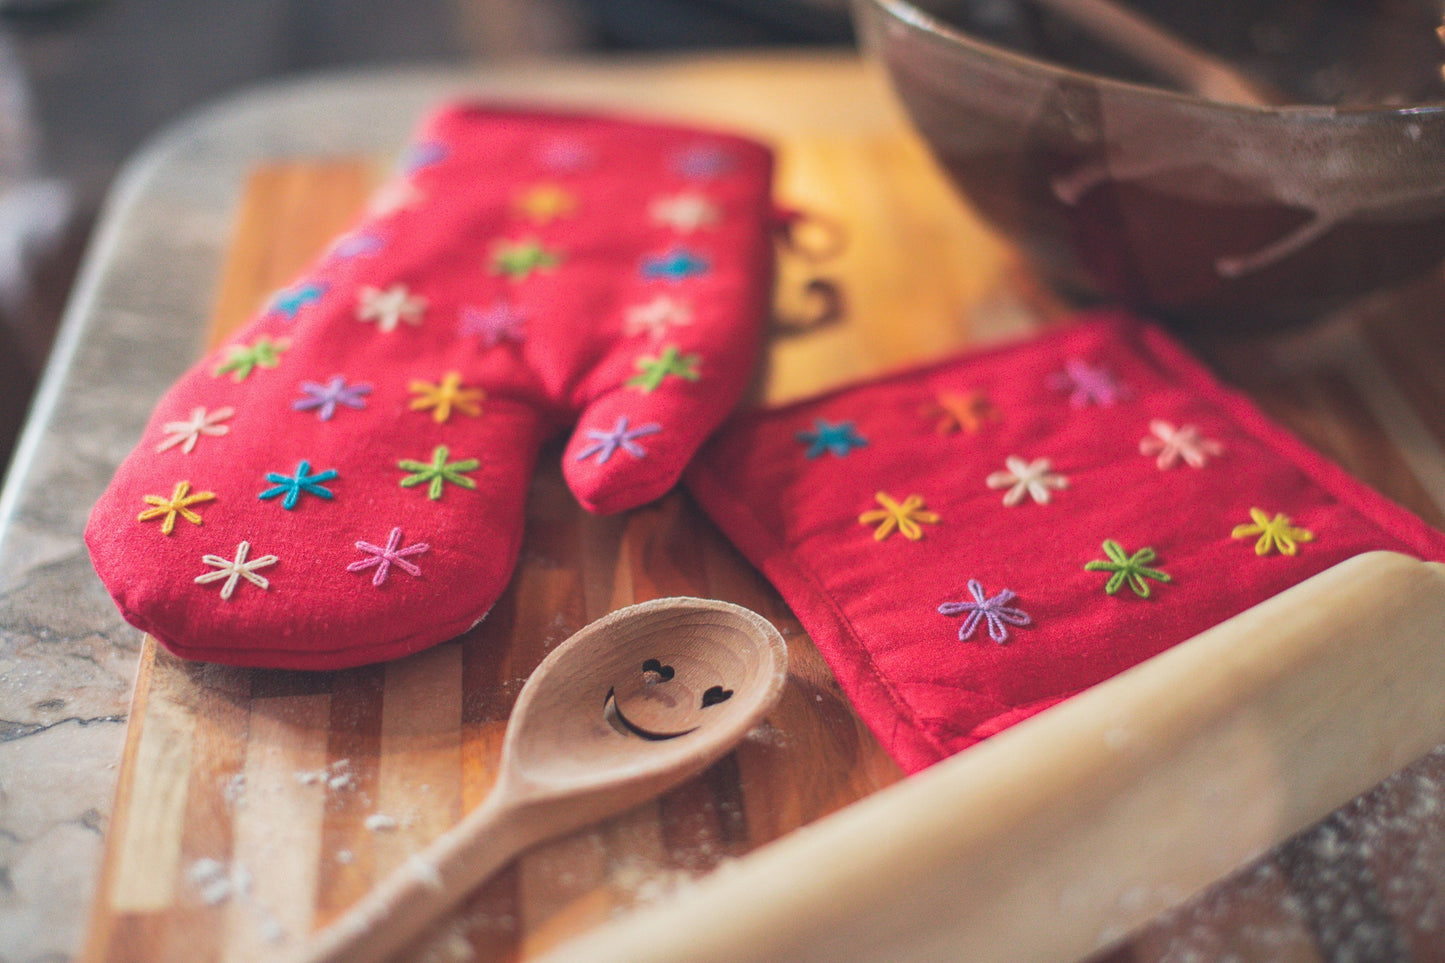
(421, 155)
(1088, 385)
(292, 486)
(566, 155)
(960, 412)
(1275, 534)
(994, 610)
(179, 503)
(839, 439)
(677, 264)
(396, 195)
(657, 317)
(442, 397)
(904, 516)
(703, 161)
(684, 212)
(438, 472)
(606, 443)
(359, 244)
(1173, 445)
(242, 359)
(545, 203)
(323, 399)
(1033, 478)
(1129, 569)
(290, 301)
(500, 322)
(655, 370)
(187, 433)
(390, 307)
(382, 559)
(519, 259)
(233, 570)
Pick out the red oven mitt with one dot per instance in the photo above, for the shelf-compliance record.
(344, 481)
(971, 543)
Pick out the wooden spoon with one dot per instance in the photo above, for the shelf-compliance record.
(628, 707)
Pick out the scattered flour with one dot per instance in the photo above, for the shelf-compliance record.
(335, 777)
(216, 882)
(380, 823)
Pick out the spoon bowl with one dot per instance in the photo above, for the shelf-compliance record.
(627, 708)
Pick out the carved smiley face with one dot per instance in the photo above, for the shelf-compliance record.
(662, 702)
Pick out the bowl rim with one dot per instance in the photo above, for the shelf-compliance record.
(916, 18)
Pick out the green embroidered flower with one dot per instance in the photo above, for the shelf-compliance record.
(438, 472)
(518, 259)
(242, 359)
(1127, 568)
(655, 370)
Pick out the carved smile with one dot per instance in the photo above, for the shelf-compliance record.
(612, 712)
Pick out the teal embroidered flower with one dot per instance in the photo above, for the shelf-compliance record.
(840, 439)
(292, 486)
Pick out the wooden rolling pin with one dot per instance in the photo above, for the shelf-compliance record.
(1037, 844)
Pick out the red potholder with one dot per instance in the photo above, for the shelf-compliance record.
(971, 543)
(344, 481)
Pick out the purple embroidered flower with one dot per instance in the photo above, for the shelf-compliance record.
(500, 322)
(360, 244)
(995, 610)
(1087, 384)
(703, 162)
(323, 399)
(383, 558)
(565, 155)
(423, 154)
(605, 443)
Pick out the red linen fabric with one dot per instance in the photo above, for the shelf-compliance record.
(1206, 506)
(346, 477)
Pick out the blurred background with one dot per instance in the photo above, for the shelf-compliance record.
(83, 83)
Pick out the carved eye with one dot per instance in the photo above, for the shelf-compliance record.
(715, 695)
(654, 672)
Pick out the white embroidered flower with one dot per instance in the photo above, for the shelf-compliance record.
(233, 570)
(1027, 478)
(685, 212)
(390, 307)
(657, 317)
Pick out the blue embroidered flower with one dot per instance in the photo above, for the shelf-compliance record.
(840, 439)
(994, 610)
(605, 443)
(677, 264)
(290, 301)
(293, 485)
(323, 399)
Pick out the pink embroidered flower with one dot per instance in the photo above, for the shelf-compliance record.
(1173, 445)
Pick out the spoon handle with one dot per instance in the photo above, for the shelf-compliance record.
(428, 884)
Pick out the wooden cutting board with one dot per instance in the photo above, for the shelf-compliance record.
(254, 806)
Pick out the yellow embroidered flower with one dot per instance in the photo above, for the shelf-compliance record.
(1275, 534)
(178, 504)
(904, 517)
(450, 393)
